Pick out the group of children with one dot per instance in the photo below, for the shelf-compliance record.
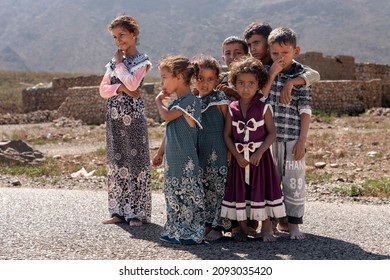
(234, 146)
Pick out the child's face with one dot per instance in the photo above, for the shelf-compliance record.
(247, 86)
(207, 81)
(231, 52)
(258, 46)
(284, 54)
(124, 39)
(169, 83)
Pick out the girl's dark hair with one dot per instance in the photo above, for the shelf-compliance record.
(178, 64)
(248, 65)
(205, 61)
(126, 22)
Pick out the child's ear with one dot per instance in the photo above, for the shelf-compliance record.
(297, 50)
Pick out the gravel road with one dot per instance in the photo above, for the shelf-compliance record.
(64, 224)
(60, 219)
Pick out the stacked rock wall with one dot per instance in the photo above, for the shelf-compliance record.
(43, 97)
(345, 88)
(386, 95)
(85, 104)
(347, 97)
(81, 81)
(341, 67)
(369, 71)
(50, 96)
(149, 95)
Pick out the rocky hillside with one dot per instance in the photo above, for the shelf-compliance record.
(71, 36)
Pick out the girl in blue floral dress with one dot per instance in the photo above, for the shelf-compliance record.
(183, 190)
(211, 145)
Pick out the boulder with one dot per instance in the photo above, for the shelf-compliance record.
(17, 152)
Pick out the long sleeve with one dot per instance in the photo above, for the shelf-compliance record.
(107, 90)
(131, 80)
(310, 76)
(119, 74)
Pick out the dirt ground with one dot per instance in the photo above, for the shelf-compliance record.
(341, 151)
(353, 148)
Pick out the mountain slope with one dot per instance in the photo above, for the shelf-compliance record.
(69, 36)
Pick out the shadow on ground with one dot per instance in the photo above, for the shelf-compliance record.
(314, 247)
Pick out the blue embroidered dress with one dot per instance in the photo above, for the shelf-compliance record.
(183, 190)
(213, 158)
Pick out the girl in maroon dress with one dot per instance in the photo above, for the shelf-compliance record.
(253, 190)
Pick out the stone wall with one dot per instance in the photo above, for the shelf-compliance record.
(43, 97)
(368, 71)
(386, 95)
(81, 81)
(85, 104)
(342, 97)
(343, 67)
(345, 88)
(50, 96)
(340, 67)
(347, 97)
(149, 95)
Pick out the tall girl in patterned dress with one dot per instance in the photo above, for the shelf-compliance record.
(129, 182)
(211, 146)
(184, 196)
(253, 190)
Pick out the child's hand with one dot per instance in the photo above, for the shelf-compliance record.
(276, 67)
(162, 95)
(285, 94)
(242, 162)
(229, 158)
(255, 158)
(230, 92)
(195, 91)
(118, 56)
(299, 150)
(157, 160)
(135, 94)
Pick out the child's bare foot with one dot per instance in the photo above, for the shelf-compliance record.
(134, 222)
(213, 235)
(207, 230)
(295, 232)
(112, 220)
(241, 236)
(266, 231)
(235, 231)
(267, 236)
